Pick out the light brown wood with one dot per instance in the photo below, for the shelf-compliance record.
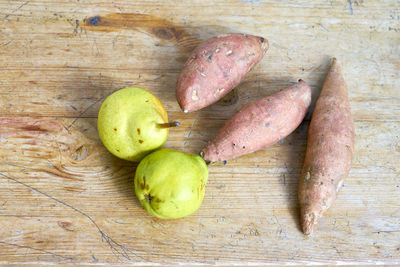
(65, 199)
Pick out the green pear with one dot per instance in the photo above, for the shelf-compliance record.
(171, 184)
(132, 122)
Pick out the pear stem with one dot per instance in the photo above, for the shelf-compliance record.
(169, 124)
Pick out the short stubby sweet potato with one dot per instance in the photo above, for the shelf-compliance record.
(329, 153)
(260, 124)
(215, 67)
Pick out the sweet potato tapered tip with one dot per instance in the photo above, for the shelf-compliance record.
(336, 66)
(310, 216)
(309, 222)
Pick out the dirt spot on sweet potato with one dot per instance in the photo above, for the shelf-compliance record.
(218, 92)
(194, 95)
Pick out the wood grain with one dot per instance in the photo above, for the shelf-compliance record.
(65, 199)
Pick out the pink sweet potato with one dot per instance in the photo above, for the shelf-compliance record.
(329, 152)
(260, 124)
(215, 67)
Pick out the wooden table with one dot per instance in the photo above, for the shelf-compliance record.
(65, 199)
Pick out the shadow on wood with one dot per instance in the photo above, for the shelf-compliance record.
(294, 163)
(322, 71)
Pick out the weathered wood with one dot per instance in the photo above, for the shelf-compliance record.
(65, 199)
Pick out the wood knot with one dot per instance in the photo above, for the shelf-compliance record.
(163, 33)
(94, 20)
(80, 153)
(168, 33)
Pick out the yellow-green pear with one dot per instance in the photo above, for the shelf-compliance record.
(132, 122)
(171, 184)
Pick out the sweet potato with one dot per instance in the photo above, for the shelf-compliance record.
(215, 67)
(329, 152)
(260, 124)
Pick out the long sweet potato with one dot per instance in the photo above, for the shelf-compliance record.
(215, 67)
(260, 124)
(329, 152)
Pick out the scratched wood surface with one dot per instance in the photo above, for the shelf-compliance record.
(64, 199)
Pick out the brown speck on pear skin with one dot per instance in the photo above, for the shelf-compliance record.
(148, 197)
(143, 185)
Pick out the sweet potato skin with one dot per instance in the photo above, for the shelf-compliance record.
(329, 153)
(260, 124)
(215, 67)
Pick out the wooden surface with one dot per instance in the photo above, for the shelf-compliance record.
(65, 199)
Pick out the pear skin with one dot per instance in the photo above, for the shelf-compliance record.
(171, 184)
(128, 123)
